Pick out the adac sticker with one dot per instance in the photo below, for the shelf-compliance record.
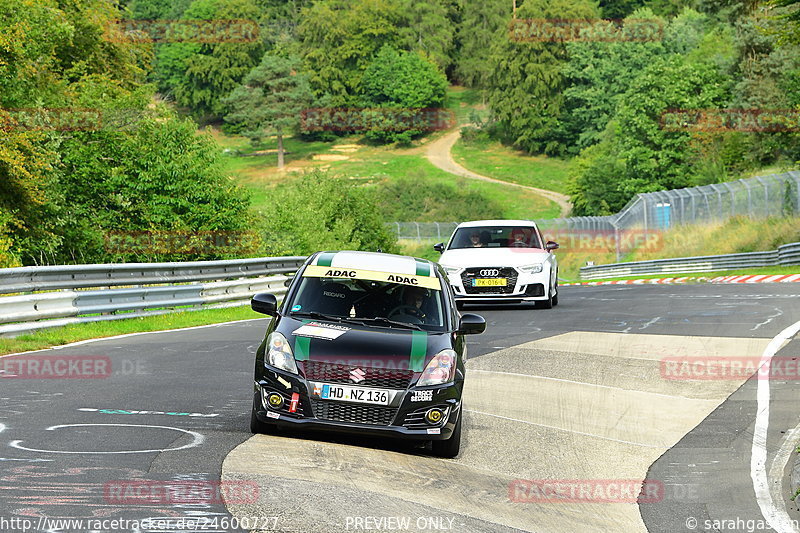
(316, 271)
(296, 307)
(321, 331)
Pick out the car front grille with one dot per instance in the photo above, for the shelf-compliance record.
(374, 377)
(376, 415)
(471, 273)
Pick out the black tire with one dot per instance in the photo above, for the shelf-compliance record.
(449, 448)
(555, 298)
(547, 304)
(256, 425)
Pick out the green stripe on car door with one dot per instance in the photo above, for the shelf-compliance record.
(419, 349)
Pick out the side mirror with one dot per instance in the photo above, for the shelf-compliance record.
(472, 324)
(551, 245)
(439, 247)
(264, 303)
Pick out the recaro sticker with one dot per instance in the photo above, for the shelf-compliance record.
(315, 271)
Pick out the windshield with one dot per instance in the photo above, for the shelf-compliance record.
(354, 299)
(495, 237)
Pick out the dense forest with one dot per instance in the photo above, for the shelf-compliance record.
(100, 102)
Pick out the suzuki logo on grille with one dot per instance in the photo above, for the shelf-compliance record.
(358, 375)
(490, 272)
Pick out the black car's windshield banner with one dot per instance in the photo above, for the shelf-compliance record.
(314, 271)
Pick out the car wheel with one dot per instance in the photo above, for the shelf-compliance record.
(555, 297)
(449, 448)
(256, 425)
(547, 304)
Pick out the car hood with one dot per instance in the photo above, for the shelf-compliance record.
(355, 345)
(493, 257)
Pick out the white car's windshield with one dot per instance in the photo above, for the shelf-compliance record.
(366, 299)
(495, 237)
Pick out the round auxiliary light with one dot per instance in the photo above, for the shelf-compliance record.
(434, 416)
(275, 400)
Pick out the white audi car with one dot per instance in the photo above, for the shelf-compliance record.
(501, 261)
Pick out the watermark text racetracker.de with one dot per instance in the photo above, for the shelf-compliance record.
(376, 119)
(181, 242)
(145, 492)
(599, 241)
(701, 368)
(586, 30)
(585, 491)
(70, 119)
(726, 120)
(37, 366)
(55, 367)
(183, 31)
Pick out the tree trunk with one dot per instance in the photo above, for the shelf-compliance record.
(280, 149)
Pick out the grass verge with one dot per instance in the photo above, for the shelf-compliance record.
(492, 159)
(47, 338)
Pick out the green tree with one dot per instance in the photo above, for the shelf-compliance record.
(428, 28)
(339, 38)
(401, 80)
(527, 82)
(202, 74)
(788, 16)
(319, 211)
(482, 24)
(637, 153)
(598, 73)
(270, 99)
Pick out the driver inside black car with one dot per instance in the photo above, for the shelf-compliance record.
(412, 304)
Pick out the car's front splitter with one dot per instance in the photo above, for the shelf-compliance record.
(304, 416)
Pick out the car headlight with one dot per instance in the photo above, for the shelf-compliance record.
(441, 369)
(452, 271)
(531, 269)
(279, 353)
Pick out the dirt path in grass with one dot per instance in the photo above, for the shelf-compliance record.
(439, 155)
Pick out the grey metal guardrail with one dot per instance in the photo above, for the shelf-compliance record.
(44, 278)
(786, 255)
(143, 289)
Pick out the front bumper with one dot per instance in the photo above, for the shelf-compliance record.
(402, 418)
(526, 288)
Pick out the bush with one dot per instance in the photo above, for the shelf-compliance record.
(319, 211)
(417, 198)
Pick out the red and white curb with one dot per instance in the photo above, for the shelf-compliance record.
(762, 278)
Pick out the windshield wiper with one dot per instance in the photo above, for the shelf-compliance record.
(318, 316)
(385, 321)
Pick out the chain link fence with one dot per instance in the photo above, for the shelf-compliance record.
(760, 197)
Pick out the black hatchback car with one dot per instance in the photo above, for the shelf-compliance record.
(365, 343)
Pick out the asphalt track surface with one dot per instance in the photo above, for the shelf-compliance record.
(578, 393)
